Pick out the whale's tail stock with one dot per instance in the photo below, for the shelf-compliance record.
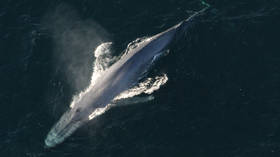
(183, 26)
(197, 13)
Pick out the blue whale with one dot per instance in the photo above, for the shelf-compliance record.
(121, 76)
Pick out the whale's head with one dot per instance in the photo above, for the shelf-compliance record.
(68, 123)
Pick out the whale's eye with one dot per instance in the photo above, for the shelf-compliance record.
(78, 110)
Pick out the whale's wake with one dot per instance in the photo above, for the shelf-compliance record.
(103, 59)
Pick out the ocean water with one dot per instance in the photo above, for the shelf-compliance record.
(221, 99)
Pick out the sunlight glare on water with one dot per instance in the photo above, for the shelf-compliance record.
(103, 59)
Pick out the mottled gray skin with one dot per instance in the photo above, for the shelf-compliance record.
(119, 77)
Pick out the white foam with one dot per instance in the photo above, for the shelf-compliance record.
(148, 87)
(98, 112)
(103, 60)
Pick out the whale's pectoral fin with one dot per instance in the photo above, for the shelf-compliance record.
(148, 86)
(132, 100)
(131, 96)
(98, 111)
(103, 60)
(103, 56)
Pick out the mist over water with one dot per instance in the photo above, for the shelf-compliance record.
(221, 98)
(74, 40)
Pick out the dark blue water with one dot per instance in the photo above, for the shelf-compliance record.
(222, 97)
